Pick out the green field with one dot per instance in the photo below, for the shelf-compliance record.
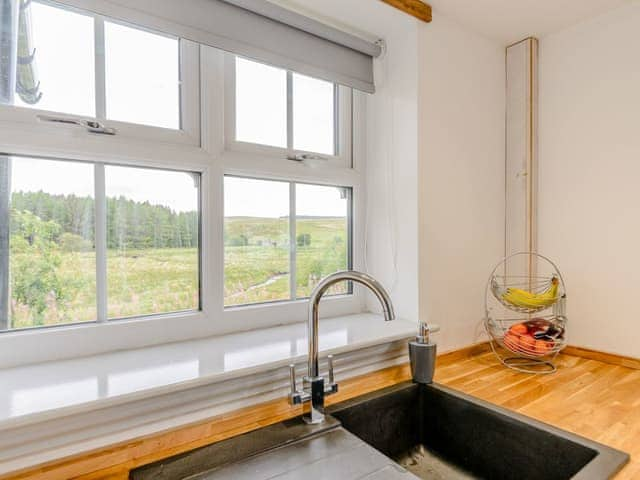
(139, 282)
(257, 257)
(160, 280)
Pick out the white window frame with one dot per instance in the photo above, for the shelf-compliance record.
(271, 163)
(342, 124)
(212, 160)
(189, 132)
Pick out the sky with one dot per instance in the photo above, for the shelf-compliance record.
(264, 198)
(175, 190)
(65, 60)
(261, 108)
(64, 42)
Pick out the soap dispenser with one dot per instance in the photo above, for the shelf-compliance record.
(422, 356)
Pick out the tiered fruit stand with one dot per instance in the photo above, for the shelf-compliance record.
(525, 305)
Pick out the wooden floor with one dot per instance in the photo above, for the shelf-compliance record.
(597, 400)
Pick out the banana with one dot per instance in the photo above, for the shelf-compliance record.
(525, 299)
(529, 300)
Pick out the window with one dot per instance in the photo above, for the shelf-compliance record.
(152, 241)
(61, 74)
(77, 63)
(52, 256)
(154, 90)
(261, 104)
(268, 257)
(273, 111)
(150, 224)
(313, 115)
(322, 236)
(93, 241)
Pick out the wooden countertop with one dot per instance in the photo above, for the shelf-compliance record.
(587, 396)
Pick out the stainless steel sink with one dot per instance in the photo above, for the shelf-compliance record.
(403, 432)
(436, 432)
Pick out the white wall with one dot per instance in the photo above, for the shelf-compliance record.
(392, 163)
(589, 202)
(461, 175)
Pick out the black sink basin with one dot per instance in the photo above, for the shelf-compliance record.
(436, 432)
(432, 431)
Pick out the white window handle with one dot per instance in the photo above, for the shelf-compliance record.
(91, 126)
(301, 157)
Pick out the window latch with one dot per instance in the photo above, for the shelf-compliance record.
(92, 126)
(301, 157)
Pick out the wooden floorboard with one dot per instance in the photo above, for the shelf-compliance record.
(586, 396)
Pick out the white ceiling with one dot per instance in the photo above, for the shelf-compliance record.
(509, 21)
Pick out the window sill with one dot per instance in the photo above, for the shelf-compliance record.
(66, 407)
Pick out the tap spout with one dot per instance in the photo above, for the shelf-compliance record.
(314, 301)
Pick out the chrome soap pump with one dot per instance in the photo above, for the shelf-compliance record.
(422, 356)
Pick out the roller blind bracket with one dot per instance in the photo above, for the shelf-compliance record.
(381, 42)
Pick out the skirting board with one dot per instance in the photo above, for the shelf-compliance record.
(582, 352)
(611, 358)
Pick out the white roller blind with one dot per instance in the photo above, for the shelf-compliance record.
(256, 29)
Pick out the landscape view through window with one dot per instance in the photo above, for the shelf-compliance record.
(257, 238)
(151, 238)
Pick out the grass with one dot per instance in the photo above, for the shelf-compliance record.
(148, 281)
(259, 271)
(139, 282)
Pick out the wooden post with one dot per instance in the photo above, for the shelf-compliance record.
(521, 166)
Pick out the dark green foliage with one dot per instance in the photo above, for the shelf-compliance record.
(35, 261)
(130, 224)
(303, 240)
(45, 229)
(238, 241)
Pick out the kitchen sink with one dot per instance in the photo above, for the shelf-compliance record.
(407, 431)
(435, 432)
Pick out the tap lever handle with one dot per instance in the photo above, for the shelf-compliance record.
(292, 378)
(330, 362)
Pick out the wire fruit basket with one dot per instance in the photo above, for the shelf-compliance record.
(525, 312)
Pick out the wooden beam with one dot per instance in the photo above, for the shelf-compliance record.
(415, 8)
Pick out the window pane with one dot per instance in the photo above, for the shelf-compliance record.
(52, 257)
(152, 241)
(142, 77)
(62, 69)
(313, 115)
(322, 236)
(256, 241)
(261, 103)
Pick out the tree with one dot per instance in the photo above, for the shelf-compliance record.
(238, 241)
(35, 259)
(131, 224)
(303, 240)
